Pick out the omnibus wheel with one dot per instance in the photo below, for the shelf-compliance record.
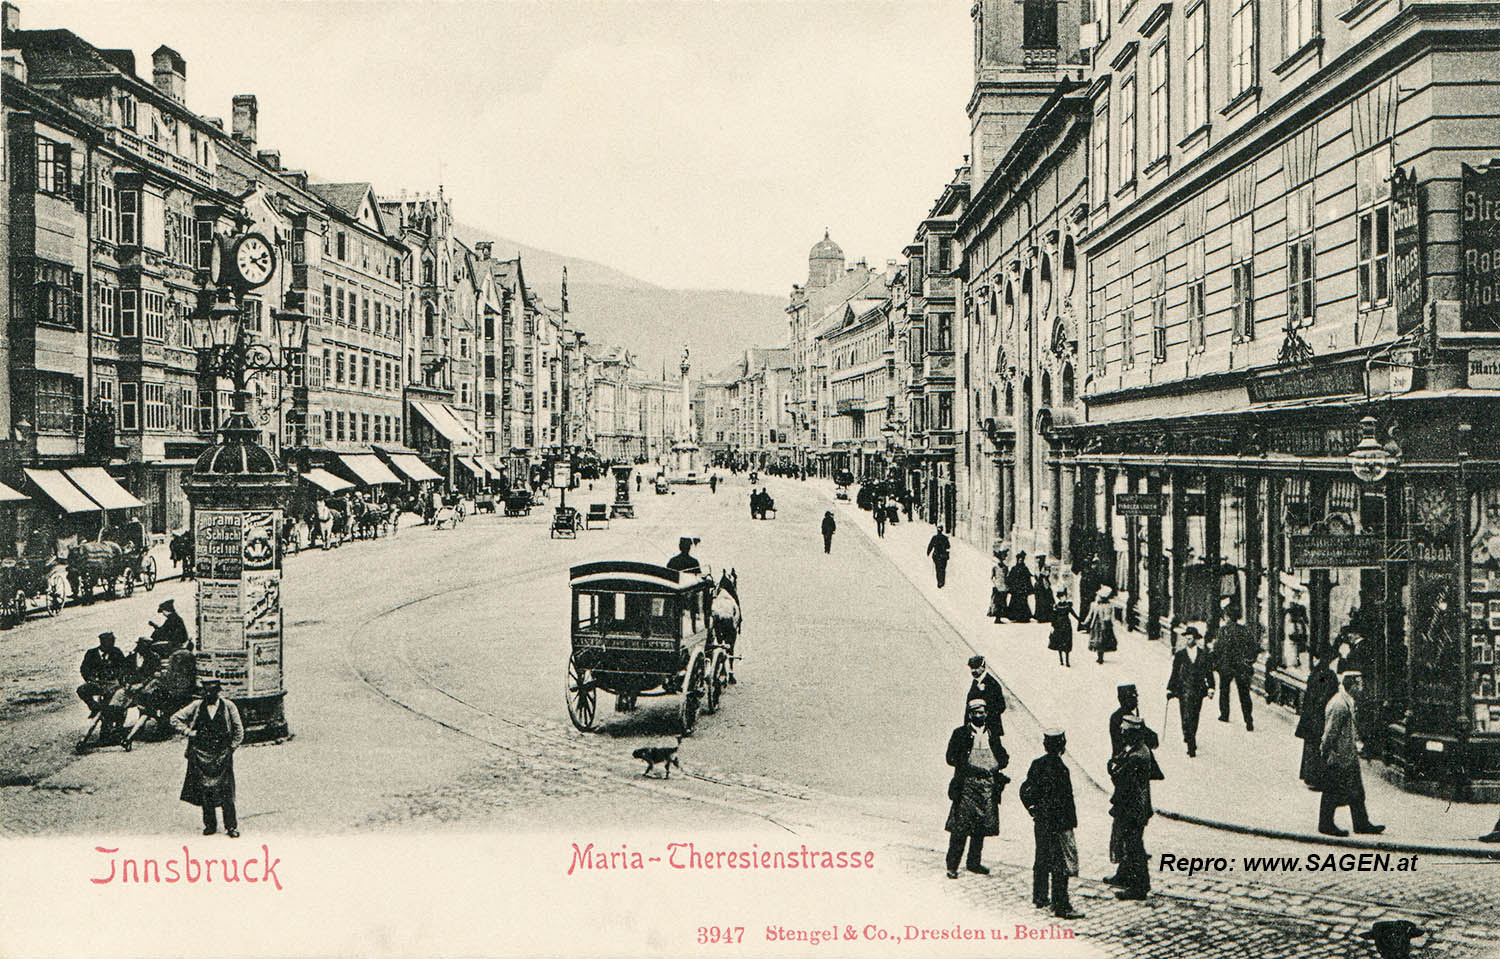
(693, 694)
(718, 678)
(582, 696)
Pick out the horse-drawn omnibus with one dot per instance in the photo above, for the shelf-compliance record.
(643, 630)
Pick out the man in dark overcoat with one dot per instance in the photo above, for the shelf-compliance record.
(1322, 686)
(685, 561)
(102, 668)
(1131, 770)
(986, 688)
(1342, 783)
(1192, 679)
(977, 758)
(214, 731)
(938, 548)
(1047, 795)
(1130, 705)
(828, 528)
(1235, 650)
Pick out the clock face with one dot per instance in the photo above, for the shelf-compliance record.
(254, 260)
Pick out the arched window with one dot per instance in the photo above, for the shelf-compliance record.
(994, 402)
(1069, 268)
(1010, 304)
(429, 323)
(1044, 305)
(1047, 390)
(428, 275)
(1027, 301)
(1067, 384)
(1010, 399)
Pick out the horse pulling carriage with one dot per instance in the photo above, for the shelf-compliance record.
(119, 555)
(23, 580)
(645, 630)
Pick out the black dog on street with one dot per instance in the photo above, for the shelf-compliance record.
(666, 755)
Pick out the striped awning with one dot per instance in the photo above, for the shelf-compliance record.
(368, 468)
(470, 464)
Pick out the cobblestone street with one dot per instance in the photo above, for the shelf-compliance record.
(433, 705)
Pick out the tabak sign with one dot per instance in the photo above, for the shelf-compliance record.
(1408, 279)
(1480, 241)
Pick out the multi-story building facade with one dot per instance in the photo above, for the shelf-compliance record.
(860, 381)
(618, 430)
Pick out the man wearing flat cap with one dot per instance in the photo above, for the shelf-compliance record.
(977, 758)
(172, 634)
(1341, 782)
(1047, 795)
(986, 688)
(684, 561)
(214, 731)
(1130, 705)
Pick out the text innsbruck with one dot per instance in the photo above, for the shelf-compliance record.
(187, 869)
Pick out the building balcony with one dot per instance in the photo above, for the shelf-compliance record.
(1039, 58)
(940, 287)
(936, 364)
(161, 156)
(849, 405)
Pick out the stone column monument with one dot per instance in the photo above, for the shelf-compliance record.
(687, 456)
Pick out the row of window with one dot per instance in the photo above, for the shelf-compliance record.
(361, 369)
(354, 427)
(339, 245)
(346, 307)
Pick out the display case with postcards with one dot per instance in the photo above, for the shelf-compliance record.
(1484, 608)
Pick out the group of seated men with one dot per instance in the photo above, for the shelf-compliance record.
(156, 678)
(761, 503)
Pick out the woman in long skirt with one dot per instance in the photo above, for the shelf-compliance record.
(997, 588)
(1062, 629)
(1101, 625)
(1043, 590)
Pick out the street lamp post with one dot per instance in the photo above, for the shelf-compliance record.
(237, 490)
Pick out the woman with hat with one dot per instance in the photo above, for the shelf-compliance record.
(1018, 582)
(977, 758)
(214, 731)
(1042, 590)
(1100, 623)
(997, 586)
(1061, 617)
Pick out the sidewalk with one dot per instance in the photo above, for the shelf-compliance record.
(1240, 781)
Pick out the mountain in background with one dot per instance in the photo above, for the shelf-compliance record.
(653, 322)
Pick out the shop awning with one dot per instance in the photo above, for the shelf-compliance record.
(442, 418)
(368, 468)
(410, 466)
(8, 495)
(60, 490)
(468, 463)
(102, 488)
(327, 480)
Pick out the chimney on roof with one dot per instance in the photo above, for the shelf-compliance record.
(216, 121)
(483, 248)
(242, 121)
(270, 158)
(298, 177)
(10, 18)
(169, 73)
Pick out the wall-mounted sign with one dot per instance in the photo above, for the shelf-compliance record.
(1314, 550)
(1484, 369)
(1479, 241)
(1408, 278)
(1140, 504)
(1305, 382)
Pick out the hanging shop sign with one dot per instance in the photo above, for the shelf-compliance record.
(1306, 382)
(1408, 279)
(1479, 239)
(1315, 550)
(1140, 504)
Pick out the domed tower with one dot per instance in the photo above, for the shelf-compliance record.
(825, 263)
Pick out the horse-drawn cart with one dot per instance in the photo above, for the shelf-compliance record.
(121, 555)
(518, 503)
(643, 630)
(22, 580)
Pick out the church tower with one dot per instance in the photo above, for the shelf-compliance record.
(825, 263)
(1021, 50)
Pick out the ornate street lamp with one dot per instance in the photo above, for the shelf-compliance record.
(238, 490)
(1370, 461)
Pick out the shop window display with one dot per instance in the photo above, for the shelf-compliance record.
(1484, 606)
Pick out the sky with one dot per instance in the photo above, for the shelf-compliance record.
(702, 145)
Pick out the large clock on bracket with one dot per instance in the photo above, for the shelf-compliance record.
(252, 260)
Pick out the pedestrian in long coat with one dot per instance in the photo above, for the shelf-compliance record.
(1018, 583)
(938, 548)
(1342, 783)
(214, 731)
(977, 758)
(1042, 590)
(1132, 770)
(987, 688)
(997, 588)
(1062, 629)
(1322, 686)
(1100, 623)
(1047, 795)
(1192, 679)
(828, 527)
(880, 519)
